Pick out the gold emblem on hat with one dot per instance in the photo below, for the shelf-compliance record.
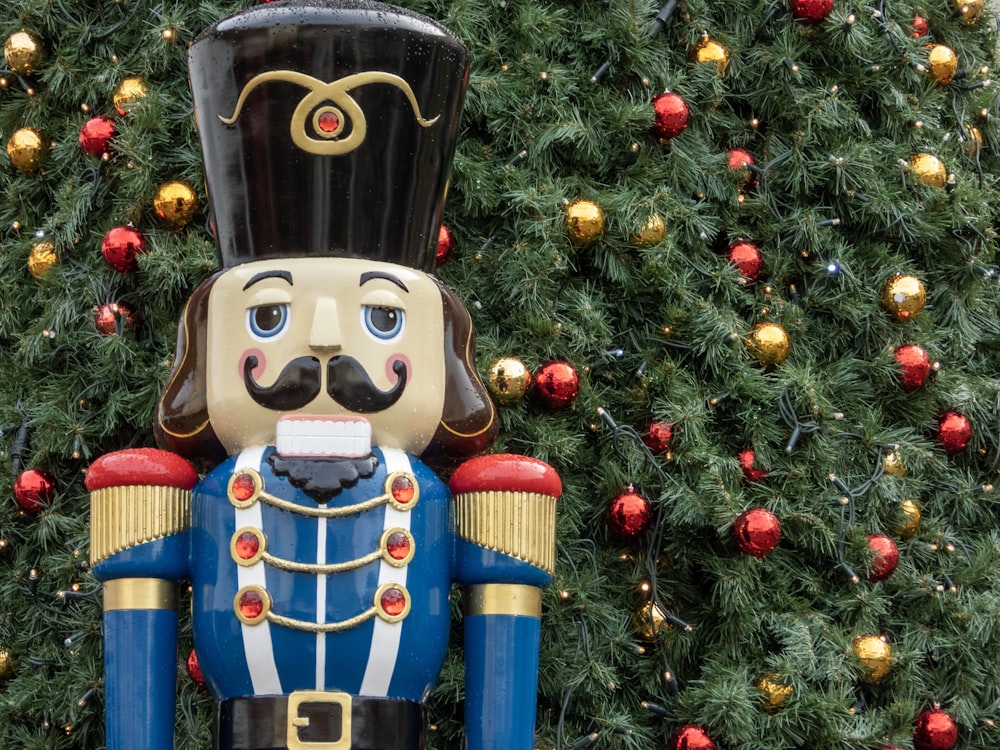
(331, 107)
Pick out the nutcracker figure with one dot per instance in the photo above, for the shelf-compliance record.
(319, 375)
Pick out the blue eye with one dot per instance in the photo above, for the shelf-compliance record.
(384, 323)
(267, 321)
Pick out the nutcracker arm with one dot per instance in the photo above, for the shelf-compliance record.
(505, 514)
(140, 515)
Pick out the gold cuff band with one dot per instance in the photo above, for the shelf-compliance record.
(123, 517)
(519, 524)
(139, 593)
(503, 599)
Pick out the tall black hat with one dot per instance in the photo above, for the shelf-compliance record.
(327, 128)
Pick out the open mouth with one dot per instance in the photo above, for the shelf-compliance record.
(306, 435)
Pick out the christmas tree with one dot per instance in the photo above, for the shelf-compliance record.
(732, 267)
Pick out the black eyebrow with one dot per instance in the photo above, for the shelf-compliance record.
(286, 275)
(369, 275)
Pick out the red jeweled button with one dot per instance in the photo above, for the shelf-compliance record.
(403, 490)
(243, 487)
(393, 602)
(251, 605)
(329, 122)
(247, 545)
(397, 545)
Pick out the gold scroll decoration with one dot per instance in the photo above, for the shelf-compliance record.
(122, 517)
(331, 99)
(519, 524)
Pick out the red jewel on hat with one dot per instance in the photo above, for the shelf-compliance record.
(243, 487)
(328, 122)
(398, 545)
(393, 601)
(251, 605)
(247, 545)
(403, 490)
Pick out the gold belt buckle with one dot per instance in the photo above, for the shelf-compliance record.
(296, 722)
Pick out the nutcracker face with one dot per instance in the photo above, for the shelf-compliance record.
(324, 356)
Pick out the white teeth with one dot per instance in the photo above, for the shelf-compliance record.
(299, 436)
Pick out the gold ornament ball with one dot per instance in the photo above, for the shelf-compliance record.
(774, 691)
(710, 51)
(968, 11)
(133, 89)
(894, 464)
(175, 203)
(41, 258)
(875, 656)
(904, 296)
(23, 53)
(508, 380)
(942, 63)
(28, 148)
(768, 343)
(650, 620)
(652, 231)
(909, 519)
(973, 140)
(584, 222)
(929, 170)
(7, 664)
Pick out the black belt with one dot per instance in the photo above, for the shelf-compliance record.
(309, 720)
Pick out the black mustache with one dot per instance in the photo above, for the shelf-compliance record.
(300, 382)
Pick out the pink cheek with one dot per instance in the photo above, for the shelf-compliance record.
(261, 363)
(393, 360)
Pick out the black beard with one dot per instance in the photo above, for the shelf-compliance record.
(322, 478)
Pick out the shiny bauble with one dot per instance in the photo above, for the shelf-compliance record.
(712, 52)
(659, 436)
(768, 343)
(129, 92)
(968, 11)
(23, 53)
(113, 317)
(96, 135)
(934, 730)
(445, 246)
(7, 665)
(893, 462)
(747, 257)
(929, 170)
(121, 246)
(41, 258)
(555, 385)
(774, 692)
(690, 737)
(903, 296)
(909, 519)
(810, 11)
(508, 380)
(914, 366)
(652, 231)
(584, 222)
(752, 471)
(973, 140)
(33, 490)
(628, 515)
(740, 160)
(919, 27)
(757, 532)
(194, 670)
(650, 620)
(942, 63)
(672, 114)
(875, 656)
(175, 203)
(884, 557)
(28, 148)
(954, 431)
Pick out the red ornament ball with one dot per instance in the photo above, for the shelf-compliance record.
(690, 737)
(935, 730)
(885, 557)
(747, 257)
(556, 384)
(628, 515)
(445, 246)
(739, 160)
(914, 366)
(659, 436)
(757, 532)
(112, 317)
(96, 135)
(811, 11)
(120, 247)
(954, 432)
(672, 115)
(33, 490)
(919, 27)
(194, 670)
(751, 472)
